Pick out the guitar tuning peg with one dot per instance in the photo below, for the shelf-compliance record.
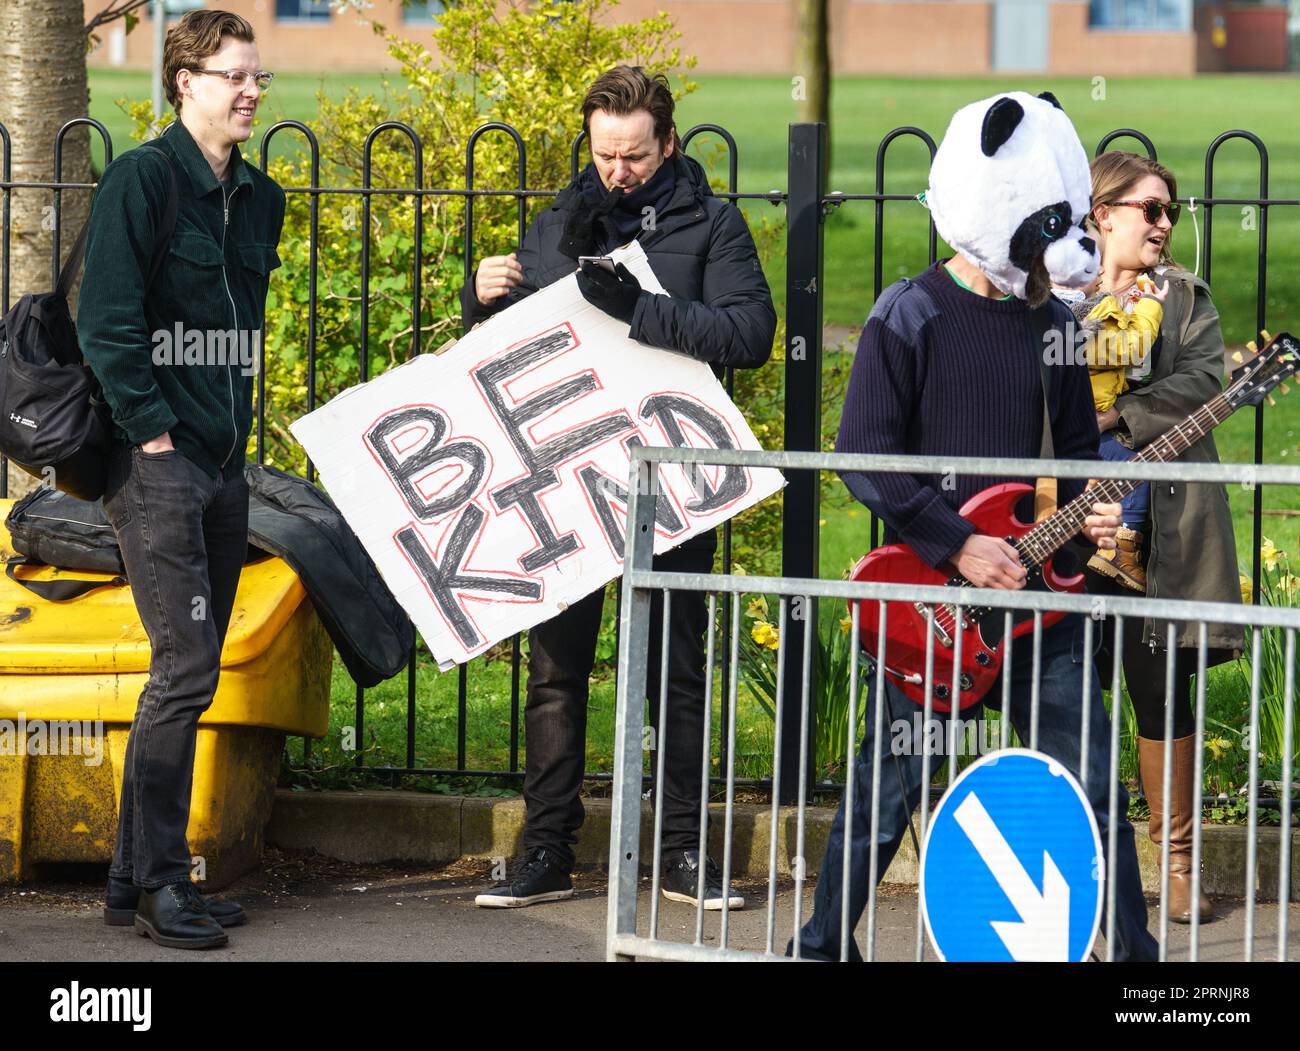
(1270, 400)
(1284, 388)
(1250, 346)
(1263, 334)
(1237, 357)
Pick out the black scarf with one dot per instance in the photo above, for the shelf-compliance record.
(625, 222)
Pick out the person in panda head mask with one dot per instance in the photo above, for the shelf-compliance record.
(950, 363)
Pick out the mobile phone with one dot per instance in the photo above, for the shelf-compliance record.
(603, 261)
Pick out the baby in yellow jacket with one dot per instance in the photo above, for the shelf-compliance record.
(1120, 332)
(1120, 339)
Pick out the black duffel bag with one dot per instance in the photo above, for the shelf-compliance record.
(288, 517)
(54, 423)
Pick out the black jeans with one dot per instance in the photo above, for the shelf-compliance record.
(562, 652)
(183, 537)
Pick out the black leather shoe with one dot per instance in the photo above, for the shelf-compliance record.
(177, 917)
(538, 877)
(122, 898)
(681, 882)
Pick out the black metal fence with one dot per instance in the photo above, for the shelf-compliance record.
(808, 203)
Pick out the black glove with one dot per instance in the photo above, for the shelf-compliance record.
(616, 294)
(579, 235)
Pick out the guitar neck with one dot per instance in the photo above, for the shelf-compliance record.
(1038, 545)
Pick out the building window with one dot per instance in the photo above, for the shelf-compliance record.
(1165, 15)
(302, 10)
(422, 12)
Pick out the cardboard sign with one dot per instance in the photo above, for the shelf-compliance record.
(489, 483)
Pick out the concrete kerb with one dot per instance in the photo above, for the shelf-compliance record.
(374, 826)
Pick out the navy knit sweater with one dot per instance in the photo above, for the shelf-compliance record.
(943, 371)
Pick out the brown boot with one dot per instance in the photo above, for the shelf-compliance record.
(1125, 562)
(1151, 757)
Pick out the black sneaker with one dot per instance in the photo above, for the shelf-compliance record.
(681, 880)
(538, 877)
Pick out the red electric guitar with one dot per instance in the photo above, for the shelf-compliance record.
(992, 512)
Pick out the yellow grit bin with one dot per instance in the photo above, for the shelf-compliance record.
(70, 675)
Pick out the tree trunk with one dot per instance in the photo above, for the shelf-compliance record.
(42, 87)
(812, 62)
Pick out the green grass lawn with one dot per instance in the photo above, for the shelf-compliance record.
(1181, 116)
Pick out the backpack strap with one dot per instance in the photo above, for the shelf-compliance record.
(72, 265)
(56, 590)
(1041, 318)
(162, 236)
(1045, 489)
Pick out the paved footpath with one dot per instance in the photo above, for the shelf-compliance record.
(311, 908)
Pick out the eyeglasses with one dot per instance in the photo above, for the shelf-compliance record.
(1151, 209)
(238, 78)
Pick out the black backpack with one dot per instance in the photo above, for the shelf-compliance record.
(52, 528)
(288, 516)
(52, 410)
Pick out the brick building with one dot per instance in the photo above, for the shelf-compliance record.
(891, 37)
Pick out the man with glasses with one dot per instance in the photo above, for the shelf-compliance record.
(176, 495)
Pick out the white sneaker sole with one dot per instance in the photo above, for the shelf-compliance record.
(497, 901)
(710, 904)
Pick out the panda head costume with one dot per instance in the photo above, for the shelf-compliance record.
(1010, 188)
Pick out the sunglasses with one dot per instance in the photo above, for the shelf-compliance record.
(1151, 209)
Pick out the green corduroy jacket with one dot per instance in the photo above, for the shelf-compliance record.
(180, 356)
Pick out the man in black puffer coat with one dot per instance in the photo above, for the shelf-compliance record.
(639, 186)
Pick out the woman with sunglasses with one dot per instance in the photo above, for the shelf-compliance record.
(1189, 550)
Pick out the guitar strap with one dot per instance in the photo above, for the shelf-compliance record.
(1044, 488)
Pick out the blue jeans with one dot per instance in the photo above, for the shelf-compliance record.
(1137, 505)
(1059, 719)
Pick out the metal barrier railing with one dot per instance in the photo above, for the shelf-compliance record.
(640, 580)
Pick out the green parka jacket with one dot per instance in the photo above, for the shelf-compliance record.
(1193, 553)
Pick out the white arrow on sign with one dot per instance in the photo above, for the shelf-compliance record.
(1043, 933)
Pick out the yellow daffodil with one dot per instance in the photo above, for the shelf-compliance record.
(757, 608)
(1218, 747)
(846, 624)
(1268, 554)
(1247, 591)
(765, 634)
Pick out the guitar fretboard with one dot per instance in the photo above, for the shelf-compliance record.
(1037, 546)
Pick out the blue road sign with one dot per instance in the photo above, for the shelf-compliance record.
(1012, 867)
